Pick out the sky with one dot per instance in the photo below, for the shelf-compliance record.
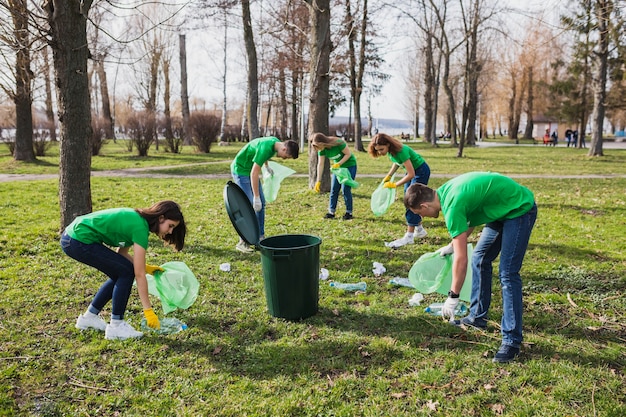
(205, 67)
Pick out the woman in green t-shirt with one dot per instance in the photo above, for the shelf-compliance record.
(89, 239)
(417, 171)
(337, 151)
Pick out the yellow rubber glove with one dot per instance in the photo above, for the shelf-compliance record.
(335, 166)
(151, 319)
(151, 269)
(317, 187)
(389, 184)
(387, 179)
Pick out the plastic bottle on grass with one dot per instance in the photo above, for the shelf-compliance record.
(359, 286)
(169, 325)
(435, 309)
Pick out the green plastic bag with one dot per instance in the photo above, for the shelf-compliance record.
(382, 199)
(271, 183)
(344, 177)
(433, 273)
(429, 271)
(177, 286)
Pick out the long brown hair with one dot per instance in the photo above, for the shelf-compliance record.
(170, 211)
(330, 141)
(384, 139)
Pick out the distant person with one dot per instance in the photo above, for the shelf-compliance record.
(568, 136)
(89, 239)
(508, 212)
(575, 138)
(246, 172)
(546, 137)
(555, 138)
(417, 171)
(339, 155)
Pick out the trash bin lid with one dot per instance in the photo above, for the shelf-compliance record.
(241, 213)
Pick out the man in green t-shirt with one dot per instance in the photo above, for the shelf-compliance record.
(508, 212)
(246, 172)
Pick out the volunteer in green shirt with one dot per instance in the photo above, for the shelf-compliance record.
(90, 238)
(337, 151)
(246, 172)
(417, 171)
(508, 212)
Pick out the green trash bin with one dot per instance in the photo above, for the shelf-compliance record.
(291, 265)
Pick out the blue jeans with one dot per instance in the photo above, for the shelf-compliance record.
(119, 269)
(335, 187)
(509, 238)
(422, 175)
(244, 182)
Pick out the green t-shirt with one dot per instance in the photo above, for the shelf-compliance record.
(117, 227)
(335, 154)
(257, 151)
(477, 198)
(405, 154)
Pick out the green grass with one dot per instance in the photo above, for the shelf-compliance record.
(362, 355)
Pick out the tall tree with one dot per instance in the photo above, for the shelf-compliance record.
(22, 94)
(253, 76)
(319, 83)
(184, 94)
(68, 39)
(603, 11)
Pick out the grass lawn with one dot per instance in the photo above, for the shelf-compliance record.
(366, 354)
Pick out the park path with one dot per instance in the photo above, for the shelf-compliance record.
(147, 172)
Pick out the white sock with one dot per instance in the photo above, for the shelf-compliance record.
(89, 314)
(409, 235)
(116, 322)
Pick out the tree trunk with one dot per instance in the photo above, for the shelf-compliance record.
(23, 77)
(224, 79)
(253, 78)
(184, 95)
(528, 133)
(319, 81)
(599, 76)
(68, 30)
(169, 132)
(48, 87)
(109, 127)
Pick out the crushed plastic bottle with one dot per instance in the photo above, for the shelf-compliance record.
(359, 286)
(435, 309)
(401, 282)
(169, 325)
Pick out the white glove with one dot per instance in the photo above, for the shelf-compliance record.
(449, 308)
(257, 204)
(446, 250)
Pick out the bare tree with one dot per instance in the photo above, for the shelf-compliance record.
(319, 83)
(253, 78)
(17, 38)
(184, 94)
(68, 39)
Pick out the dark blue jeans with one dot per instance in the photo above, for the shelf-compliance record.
(335, 187)
(422, 175)
(509, 238)
(119, 269)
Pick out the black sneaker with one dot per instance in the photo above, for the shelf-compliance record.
(506, 354)
(329, 216)
(467, 321)
(347, 216)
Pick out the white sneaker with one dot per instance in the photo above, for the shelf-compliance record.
(404, 240)
(419, 233)
(244, 247)
(121, 331)
(84, 322)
